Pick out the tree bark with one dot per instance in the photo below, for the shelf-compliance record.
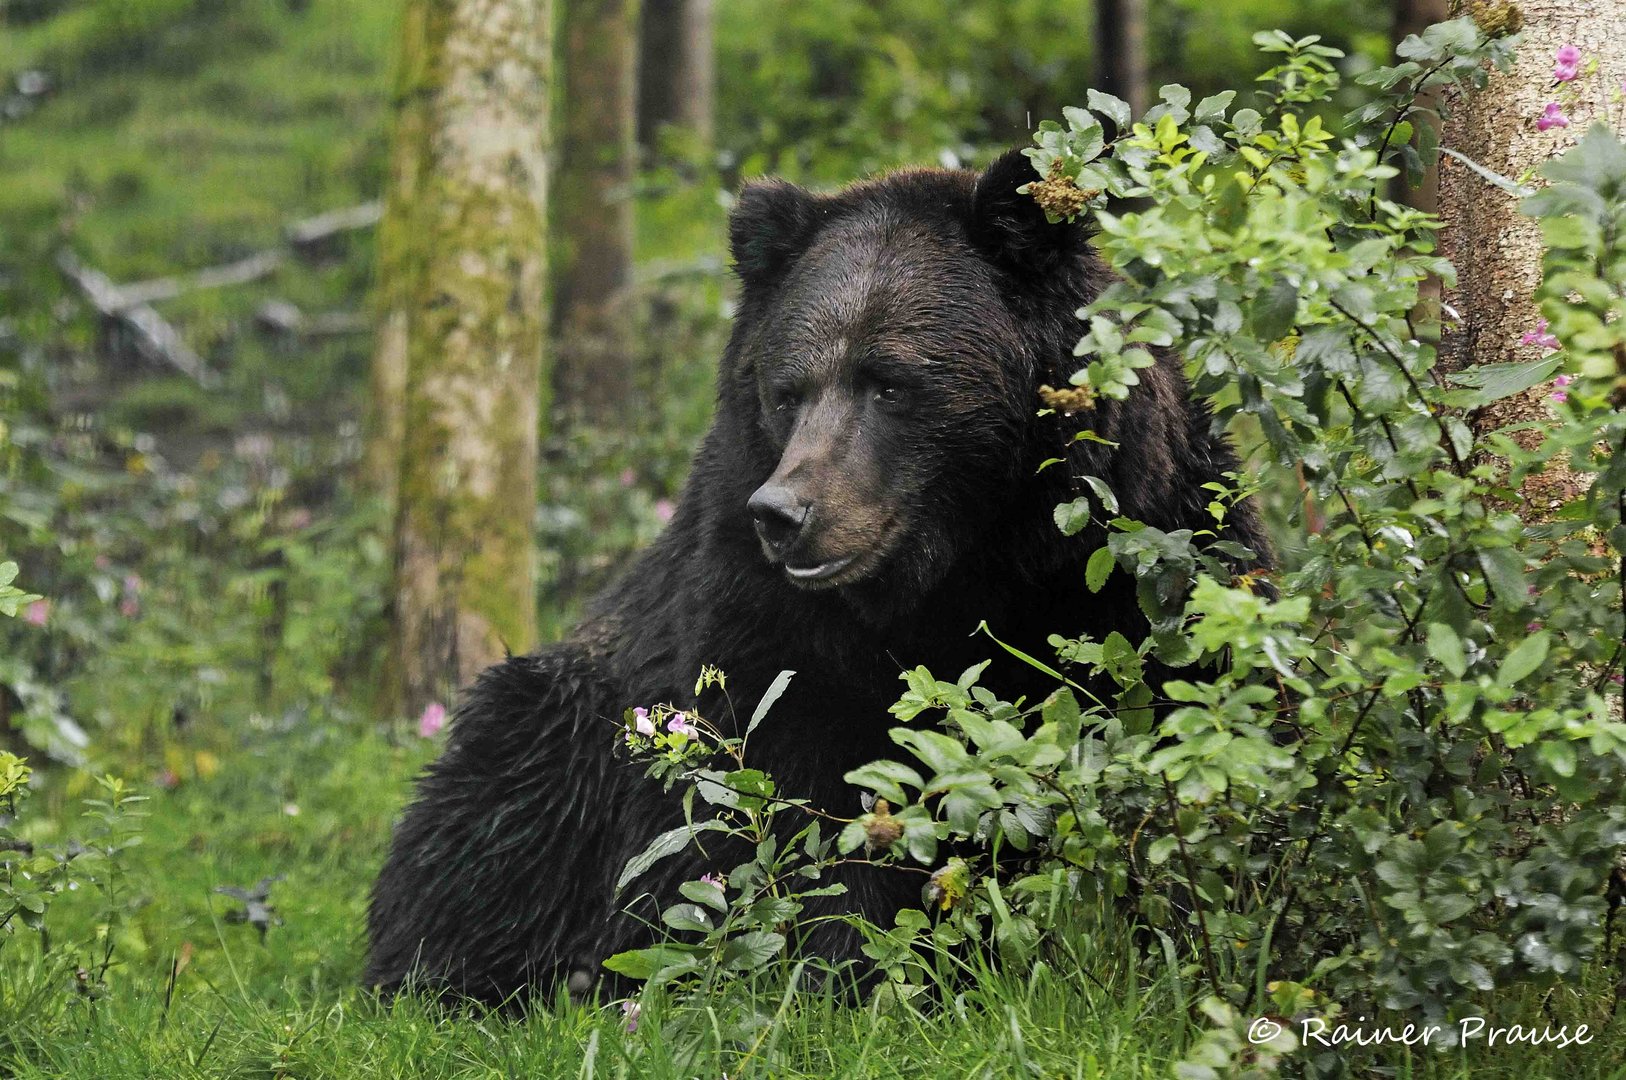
(676, 72)
(593, 211)
(395, 274)
(474, 325)
(1120, 48)
(1413, 17)
(1496, 250)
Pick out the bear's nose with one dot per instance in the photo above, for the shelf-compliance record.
(779, 516)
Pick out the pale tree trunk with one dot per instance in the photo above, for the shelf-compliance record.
(395, 273)
(465, 586)
(1120, 49)
(593, 211)
(1497, 250)
(1413, 17)
(676, 72)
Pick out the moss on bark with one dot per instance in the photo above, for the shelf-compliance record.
(475, 269)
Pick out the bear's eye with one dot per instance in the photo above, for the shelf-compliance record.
(892, 397)
(784, 401)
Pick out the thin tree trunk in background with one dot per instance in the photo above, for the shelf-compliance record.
(1120, 49)
(1496, 250)
(474, 329)
(396, 279)
(1413, 17)
(676, 72)
(593, 211)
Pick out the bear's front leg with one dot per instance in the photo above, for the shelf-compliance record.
(500, 875)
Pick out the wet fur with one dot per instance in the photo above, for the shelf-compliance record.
(499, 879)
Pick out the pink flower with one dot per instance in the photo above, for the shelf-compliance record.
(641, 722)
(1552, 117)
(432, 720)
(629, 1012)
(1539, 336)
(1559, 395)
(103, 562)
(38, 612)
(1567, 64)
(664, 509)
(130, 604)
(1531, 628)
(714, 879)
(628, 477)
(680, 725)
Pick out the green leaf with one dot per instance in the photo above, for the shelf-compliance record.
(705, 894)
(968, 678)
(1559, 756)
(775, 690)
(1099, 568)
(750, 951)
(687, 917)
(886, 779)
(1109, 501)
(1524, 659)
(1445, 646)
(642, 964)
(1274, 310)
(1072, 517)
(1213, 107)
(1113, 108)
(1160, 849)
(1493, 382)
(666, 844)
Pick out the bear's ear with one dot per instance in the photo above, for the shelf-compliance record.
(772, 223)
(1010, 228)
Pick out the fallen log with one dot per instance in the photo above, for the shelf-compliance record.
(309, 238)
(283, 319)
(151, 336)
(256, 266)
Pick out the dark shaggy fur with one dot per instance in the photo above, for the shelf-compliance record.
(883, 371)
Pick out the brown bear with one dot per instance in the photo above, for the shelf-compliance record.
(869, 492)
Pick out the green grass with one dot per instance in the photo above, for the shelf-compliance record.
(314, 804)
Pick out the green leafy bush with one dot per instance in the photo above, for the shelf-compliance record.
(1392, 777)
(32, 878)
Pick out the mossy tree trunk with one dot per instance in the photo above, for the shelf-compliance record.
(396, 277)
(593, 211)
(1120, 49)
(474, 331)
(676, 73)
(1496, 249)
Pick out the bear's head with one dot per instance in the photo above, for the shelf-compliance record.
(888, 345)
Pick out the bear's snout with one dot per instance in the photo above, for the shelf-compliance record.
(779, 515)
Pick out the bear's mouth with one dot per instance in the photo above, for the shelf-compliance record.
(823, 572)
(846, 569)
